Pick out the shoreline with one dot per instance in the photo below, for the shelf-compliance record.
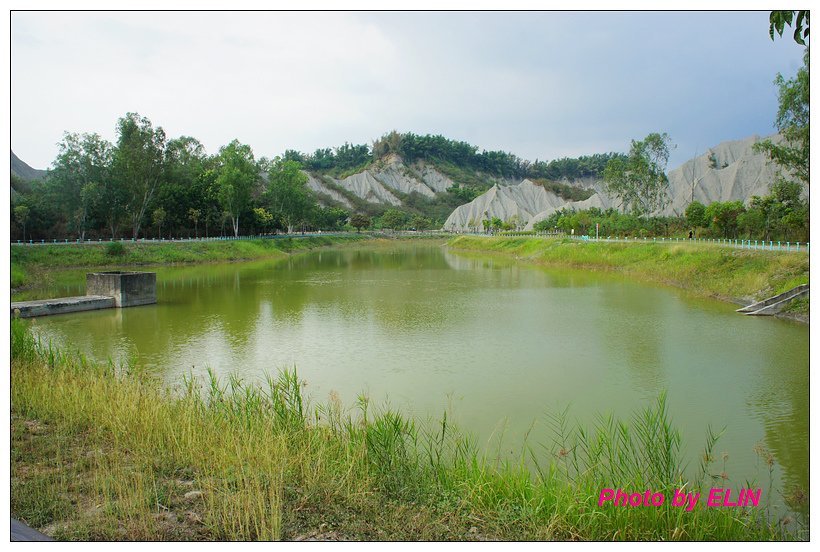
(32, 263)
(729, 275)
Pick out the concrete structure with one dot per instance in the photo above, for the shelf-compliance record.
(104, 290)
(774, 305)
(46, 307)
(128, 289)
(20, 532)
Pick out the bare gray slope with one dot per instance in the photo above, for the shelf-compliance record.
(21, 169)
(516, 204)
(385, 182)
(366, 186)
(320, 187)
(729, 171)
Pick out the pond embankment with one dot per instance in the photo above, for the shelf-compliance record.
(32, 266)
(727, 274)
(28, 262)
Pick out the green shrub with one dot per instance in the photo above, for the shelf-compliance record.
(115, 249)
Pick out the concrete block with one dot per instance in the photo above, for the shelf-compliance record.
(128, 289)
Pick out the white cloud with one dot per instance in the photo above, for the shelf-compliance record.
(536, 84)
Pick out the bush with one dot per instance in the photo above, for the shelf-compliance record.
(115, 249)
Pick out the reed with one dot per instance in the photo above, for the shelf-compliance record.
(101, 451)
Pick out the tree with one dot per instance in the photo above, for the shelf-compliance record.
(183, 187)
(792, 122)
(331, 218)
(515, 222)
(112, 200)
(419, 222)
(263, 218)
(393, 219)
(778, 19)
(791, 210)
(693, 177)
(159, 219)
(287, 194)
(639, 180)
(194, 215)
(21, 214)
(752, 222)
(83, 164)
(723, 216)
(236, 176)
(583, 220)
(696, 214)
(138, 164)
(89, 197)
(359, 221)
(389, 143)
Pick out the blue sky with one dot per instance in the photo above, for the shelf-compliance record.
(538, 84)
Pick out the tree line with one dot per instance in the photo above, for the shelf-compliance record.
(436, 148)
(780, 216)
(147, 185)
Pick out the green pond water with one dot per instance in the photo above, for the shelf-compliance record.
(498, 345)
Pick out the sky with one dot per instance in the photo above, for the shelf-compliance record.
(541, 85)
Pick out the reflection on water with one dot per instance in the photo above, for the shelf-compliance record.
(499, 344)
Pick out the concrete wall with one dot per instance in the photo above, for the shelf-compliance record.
(128, 289)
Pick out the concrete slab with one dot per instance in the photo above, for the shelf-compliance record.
(20, 532)
(63, 305)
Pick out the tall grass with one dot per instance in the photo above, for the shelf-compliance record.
(232, 461)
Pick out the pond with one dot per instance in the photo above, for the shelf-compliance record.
(498, 345)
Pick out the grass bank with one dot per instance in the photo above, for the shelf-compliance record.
(724, 273)
(102, 452)
(28, 262)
